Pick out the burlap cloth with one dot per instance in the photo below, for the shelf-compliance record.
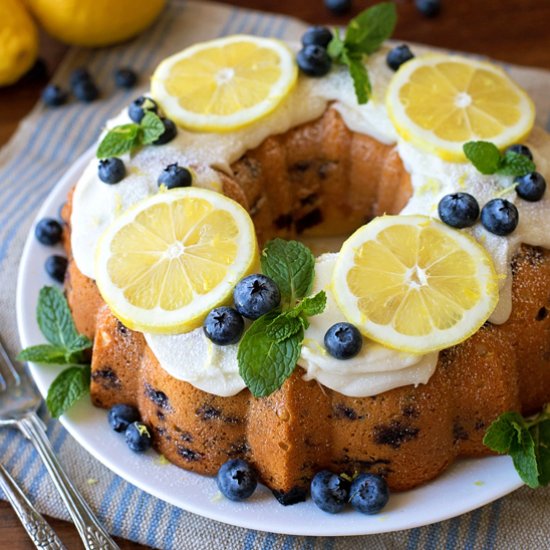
(47, 142)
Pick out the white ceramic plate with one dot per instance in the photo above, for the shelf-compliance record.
(467, 485)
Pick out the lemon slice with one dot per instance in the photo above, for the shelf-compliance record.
(162, 265)
(226, 83)
(439, 102)
(414, 284)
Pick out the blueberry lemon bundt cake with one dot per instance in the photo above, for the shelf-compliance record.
(308, 159)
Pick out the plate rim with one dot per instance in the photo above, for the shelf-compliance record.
(211, 512)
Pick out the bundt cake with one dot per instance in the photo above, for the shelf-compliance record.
(320, 166)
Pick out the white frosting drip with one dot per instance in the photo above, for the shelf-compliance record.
(373, 370)
(376, 369)
(192, 357)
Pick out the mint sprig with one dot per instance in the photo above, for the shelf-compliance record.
(527, 441)
(127, 137)
(364, 35)
(488, 160)
(270, 348)
(66, 347)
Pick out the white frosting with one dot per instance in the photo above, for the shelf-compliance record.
(373, 370)
(192, 357)
(214, 369)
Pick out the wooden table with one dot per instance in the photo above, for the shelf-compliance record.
(511, 30)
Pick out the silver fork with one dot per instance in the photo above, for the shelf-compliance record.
(38, 529)
(19, 401)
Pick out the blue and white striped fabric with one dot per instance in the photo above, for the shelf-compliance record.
(46, 144)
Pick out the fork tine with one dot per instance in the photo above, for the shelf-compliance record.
(8, 372)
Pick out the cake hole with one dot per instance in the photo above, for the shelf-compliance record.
(541, 314)
(283, 414)
(284, 446)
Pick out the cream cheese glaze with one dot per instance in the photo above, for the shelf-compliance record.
(377, 369)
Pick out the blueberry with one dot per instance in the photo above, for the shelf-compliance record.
(343, 340)
(398, 55)
(56, 267)
(48, 231)
(138, 437)
(236, 479)
(111, 170)
(256, 295)
(86, 90)
(53, 95)
(428, 8)
(318, 36)
(224, 325)
(125, 78)
(500, 217)
(80, 74)
(314, 60)
(329, 491)
(458, 210)
(175, 176)
(121, 416)
(139, 106)
(530, 187)
(520, 150)
(369, 493)
(169, 133)
(338, 7)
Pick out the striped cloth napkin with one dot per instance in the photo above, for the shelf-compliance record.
(46, 144)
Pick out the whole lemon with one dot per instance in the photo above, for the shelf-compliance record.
(18, 41)
(95, 22)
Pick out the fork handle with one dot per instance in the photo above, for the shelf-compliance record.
(38, 529)
(93, 535)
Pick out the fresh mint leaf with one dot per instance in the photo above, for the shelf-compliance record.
(152, 127)
(500, 433)
(69, 386)
(55, 321)
(264, 362)
(283, 326)
(527, 441)
(336, 46)
(514, 164)
(366, 32)
(541, 436)
(361, 80)
(45, 354)
(119, 140)
(522, 451)
(80, 343)
(291, 265)
(314, 305)
(484, 155)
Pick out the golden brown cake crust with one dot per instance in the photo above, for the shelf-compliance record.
(320, 178)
